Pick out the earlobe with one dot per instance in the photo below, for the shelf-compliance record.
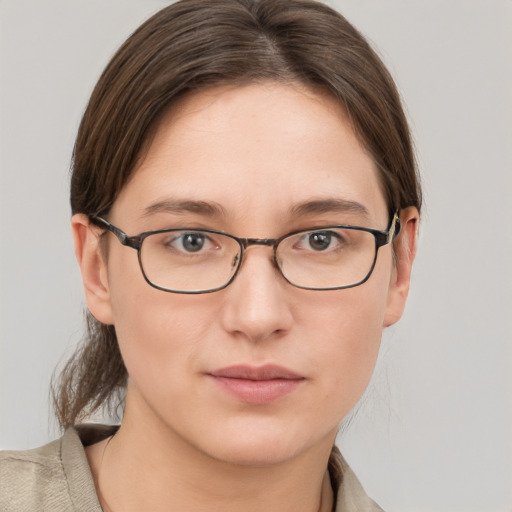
(88, 251)
(405, 252)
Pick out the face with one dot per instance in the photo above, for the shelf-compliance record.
(268, 159)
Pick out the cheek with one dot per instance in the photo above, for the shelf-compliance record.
(346, 333)
(155, 329)
(351, 347)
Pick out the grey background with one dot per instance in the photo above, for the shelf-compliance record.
(435, 432)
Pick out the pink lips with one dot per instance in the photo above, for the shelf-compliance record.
(257, 385)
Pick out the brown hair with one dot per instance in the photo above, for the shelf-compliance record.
(194, 44)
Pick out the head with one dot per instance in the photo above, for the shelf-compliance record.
(169, 117)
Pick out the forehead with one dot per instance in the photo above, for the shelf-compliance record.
(260, 148)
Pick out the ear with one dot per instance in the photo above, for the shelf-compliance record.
(93, 267)
(405, 251)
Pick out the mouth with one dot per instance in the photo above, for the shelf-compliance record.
(257, 385)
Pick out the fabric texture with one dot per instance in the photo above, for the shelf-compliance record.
(56, 477)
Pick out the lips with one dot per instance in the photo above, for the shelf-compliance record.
(267, 372)
(257, 385)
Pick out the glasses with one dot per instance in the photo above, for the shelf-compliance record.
(185, 260)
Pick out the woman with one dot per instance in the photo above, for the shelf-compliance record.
(256, 157)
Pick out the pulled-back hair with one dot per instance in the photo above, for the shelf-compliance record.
(192, 45)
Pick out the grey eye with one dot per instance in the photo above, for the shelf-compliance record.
(320, 241)
(193, 242)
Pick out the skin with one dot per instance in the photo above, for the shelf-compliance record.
(257, 151)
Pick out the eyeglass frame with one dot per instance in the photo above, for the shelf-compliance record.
(382, 238)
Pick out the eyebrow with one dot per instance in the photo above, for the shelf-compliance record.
(213, 209)
(205, 208)
(329, 205)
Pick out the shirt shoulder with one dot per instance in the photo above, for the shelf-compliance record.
(350, 495)
(33, 479)
(54, 477)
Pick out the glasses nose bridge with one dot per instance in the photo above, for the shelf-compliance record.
(269, 242)
(247, 243)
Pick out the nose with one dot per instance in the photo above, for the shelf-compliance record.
(257, 305)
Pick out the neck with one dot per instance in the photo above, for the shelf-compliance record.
(135, 471)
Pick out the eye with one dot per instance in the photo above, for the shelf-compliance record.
(191, 242)
(319, 241)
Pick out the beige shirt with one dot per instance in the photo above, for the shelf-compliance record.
(57, 478)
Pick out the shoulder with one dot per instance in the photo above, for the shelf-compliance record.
(54, 477)
(33, 478)
(350, 495)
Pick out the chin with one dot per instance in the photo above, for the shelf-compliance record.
(266, 446)
(254, 454)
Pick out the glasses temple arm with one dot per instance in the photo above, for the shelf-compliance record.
(394, 228)
(102, 223)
